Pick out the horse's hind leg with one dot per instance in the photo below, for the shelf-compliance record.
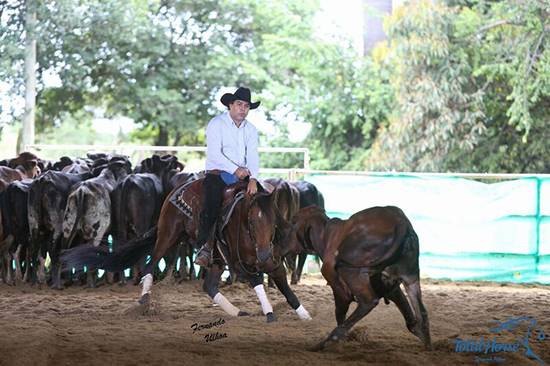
(422, 327)
(210, 286)
(168, 233)
(279, 276)
(171, 260)
(398, 297)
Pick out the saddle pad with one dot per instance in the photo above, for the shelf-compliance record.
(184, 200)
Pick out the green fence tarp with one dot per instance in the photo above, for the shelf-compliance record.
(468, 230)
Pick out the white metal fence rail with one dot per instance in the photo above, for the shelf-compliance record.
(290, 173)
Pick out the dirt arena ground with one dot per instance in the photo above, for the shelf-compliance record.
(105, 326)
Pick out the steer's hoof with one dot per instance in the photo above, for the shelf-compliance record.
(271, 317)
(243, 313)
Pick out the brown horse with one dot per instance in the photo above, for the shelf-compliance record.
(365, 258)
(244, 242)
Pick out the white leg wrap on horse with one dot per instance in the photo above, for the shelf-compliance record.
(303, 313)
(262, 296)
(147, 282)
(226, 305)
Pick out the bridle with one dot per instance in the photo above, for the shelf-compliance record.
(251, 230)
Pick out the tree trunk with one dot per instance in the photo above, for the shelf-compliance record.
(162, 138)
(27, 133)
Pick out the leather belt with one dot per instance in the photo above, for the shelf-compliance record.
(214, 171)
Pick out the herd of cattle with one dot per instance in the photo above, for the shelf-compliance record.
(47, 207)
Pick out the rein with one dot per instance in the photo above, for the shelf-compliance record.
(250, 229)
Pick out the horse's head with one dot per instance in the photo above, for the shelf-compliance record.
(305, 230)
(261, 224)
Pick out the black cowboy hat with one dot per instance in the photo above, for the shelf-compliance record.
(241, 94)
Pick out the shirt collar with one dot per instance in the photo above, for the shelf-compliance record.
(230, 120)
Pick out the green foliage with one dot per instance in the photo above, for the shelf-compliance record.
(472, 88)
(439, 106)
(461, 85)
(12, 48)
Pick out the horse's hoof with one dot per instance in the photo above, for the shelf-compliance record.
(144, 299)
(243, 313)
(271, 317)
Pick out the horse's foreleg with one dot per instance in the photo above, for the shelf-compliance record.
(360, 286)
(257, 282)
(279, 276)
(342, 302)
(210, 286)
(363, 308)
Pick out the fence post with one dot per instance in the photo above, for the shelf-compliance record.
(539, 220)
(292, 175)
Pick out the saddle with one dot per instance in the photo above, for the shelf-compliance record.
(188, 198)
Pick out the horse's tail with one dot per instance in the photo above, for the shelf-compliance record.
(123, 257)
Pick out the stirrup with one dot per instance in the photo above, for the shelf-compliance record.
(204, 257)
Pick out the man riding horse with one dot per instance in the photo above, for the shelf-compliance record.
(231, 155)
(246, 241)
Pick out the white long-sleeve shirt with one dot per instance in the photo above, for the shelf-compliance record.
(230, 147)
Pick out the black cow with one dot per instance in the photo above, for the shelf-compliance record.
(73, 166)
(46, 204)
(137, 199)
(13, 204)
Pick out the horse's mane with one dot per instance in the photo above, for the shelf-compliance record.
(264, 202)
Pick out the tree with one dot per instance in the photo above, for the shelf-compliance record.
(471, 84)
